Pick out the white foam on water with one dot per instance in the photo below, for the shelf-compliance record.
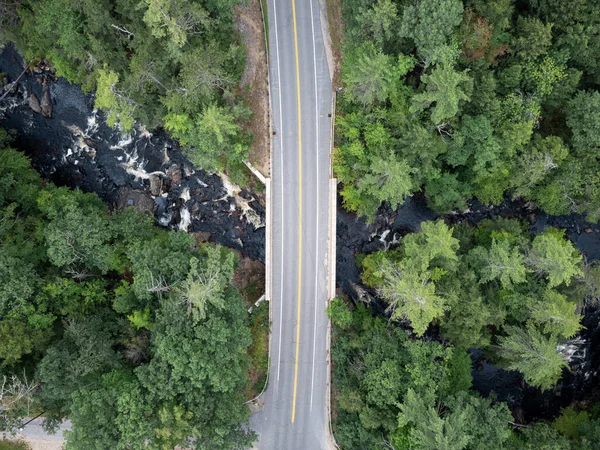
(125, 141)
(140, 173)
(165, 219)
(143, 131)
(573, 349)
(233, 191)
(186, 219)
(185, 194)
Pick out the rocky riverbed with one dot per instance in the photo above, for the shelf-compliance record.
(70, 144)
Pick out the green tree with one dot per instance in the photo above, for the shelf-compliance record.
(78, 360)
(555, 257)
(542, 77)
(504, 263)
(210, 139)
(18, 283)
(570, 421)
(113, 414)
(200, 368)
(534, 38)
(583, 117)
(556, 315)
(338, 313)
(447, 193)
(468, 317)
(19, 339)
(540, 436)
(78, 233)
(175, 20)
(541, 158)
(389, 180)
(160, 264)
(380, 21)
(119, 107)
(430, 24)
(429, 430)
(467, 422)
(444, 87)
(533, 354)
(368, 75)
(207, 281)
(411, 295)
(433, 242)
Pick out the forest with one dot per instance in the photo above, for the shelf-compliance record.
(138, 335)
(134, 332)
(491, 287)
(167, 63)
(455, 101)
(486, 100)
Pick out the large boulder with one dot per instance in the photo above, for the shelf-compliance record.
(156, 185)
(34, 104)
(174, 173)
(46, 103)
(141, 200)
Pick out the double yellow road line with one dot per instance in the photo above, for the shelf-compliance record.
(300, 212)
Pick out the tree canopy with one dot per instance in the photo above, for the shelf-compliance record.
(134, 333)
(495, 287)
(471, 99)
(167, 63)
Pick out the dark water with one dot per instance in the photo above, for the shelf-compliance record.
(355, 236)
(76, 148)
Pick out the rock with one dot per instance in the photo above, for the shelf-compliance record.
(175, 175)
(140, 200)
(46, 103)
(156, 185)
(34, 104)
(89, 142)
(201, 236)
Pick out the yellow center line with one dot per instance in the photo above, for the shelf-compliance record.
(300, 213)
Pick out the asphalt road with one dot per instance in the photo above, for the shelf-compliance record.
(295, 410)
(37, 437)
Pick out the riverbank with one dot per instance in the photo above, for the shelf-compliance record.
(75, 147)
(356, 237)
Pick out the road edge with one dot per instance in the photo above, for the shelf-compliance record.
(332, 246)
(326, 38)
(267, 181)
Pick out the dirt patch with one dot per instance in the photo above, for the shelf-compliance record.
(336, 32)
(34, 444)
(249, 279)
(249, 21)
